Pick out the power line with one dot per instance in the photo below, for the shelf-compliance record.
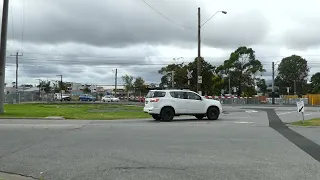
(167, 18)
(23, 24)
(12, 21)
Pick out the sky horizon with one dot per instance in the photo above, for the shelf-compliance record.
(86, 42)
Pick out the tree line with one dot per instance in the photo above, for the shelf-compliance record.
(242, 70)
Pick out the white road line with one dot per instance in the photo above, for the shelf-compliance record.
(243, 122)
(251, 111)
(285, 113)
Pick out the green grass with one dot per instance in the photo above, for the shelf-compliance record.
(312, 122)
(74, 111)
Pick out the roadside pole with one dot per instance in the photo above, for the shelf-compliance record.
(300, 106)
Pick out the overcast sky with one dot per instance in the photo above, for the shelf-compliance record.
(86, 41)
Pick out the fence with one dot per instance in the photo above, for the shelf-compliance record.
(25, 97)
(311, 99)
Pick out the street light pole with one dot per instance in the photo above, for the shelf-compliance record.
(199, 53)
(199, 48)
(3, 49)
(60, 87)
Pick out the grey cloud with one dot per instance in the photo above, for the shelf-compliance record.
(305, 35)
(124, 23)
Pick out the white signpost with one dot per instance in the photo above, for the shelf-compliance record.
(300, 106)
(200, 79)
(189, 76)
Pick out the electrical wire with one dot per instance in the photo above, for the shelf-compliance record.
(167, 18)
(23, 24)
(12, 21)
(210, 18)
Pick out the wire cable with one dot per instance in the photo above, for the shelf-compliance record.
(167, 18)
(23, 24)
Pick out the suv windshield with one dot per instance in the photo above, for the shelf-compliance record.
(155, 94)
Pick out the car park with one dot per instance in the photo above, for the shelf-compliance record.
(166, 104)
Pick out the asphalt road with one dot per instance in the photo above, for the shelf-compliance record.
(241, 145)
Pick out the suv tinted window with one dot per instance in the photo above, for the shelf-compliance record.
(155, 94)
(193, 96)
(177, 94)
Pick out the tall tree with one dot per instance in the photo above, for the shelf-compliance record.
(139, 85)
(57, 86)
(179, 75)
(128, 82)
(315, 83)
(45, 86)
(262, 85)
(293, 72)
(243, 67)
(86, 90)
(207, 73)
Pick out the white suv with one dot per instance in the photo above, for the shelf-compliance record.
(165, 104)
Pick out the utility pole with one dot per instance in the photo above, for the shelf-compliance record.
(116, 82)
(60, 87)
(39, 88)
(272, 93)
(3, 49)
(17, 67)
(229, 82)
(172, 79)
(199, 55)
(294, 87)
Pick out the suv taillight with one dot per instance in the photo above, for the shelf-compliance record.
(154, 100)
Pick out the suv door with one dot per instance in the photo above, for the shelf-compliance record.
(195, 104)
(180, 101)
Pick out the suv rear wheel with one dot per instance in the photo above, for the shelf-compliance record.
(156, 117)
(213, 113)
(199, 116)
(167, 114)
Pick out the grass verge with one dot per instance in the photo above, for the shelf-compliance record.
(74, 111)
(311, 122)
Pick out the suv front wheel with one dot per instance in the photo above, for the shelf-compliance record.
(167, 114)
(213, 113)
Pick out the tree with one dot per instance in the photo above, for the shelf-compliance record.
(128, 82)
(293, 72)
(242, 66)
(139, 85)
(57, 87)
(207, 73)
(45, 86)
(261, 84)
(315, 83)
(179, 75)
(86, 90)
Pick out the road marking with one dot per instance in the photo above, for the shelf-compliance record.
(251, 111)
(242, 122)
(285, 113)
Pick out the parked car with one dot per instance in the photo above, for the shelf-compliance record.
(87, 98)
(110, 98)
(165, 104)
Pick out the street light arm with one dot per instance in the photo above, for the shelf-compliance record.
(223, 12)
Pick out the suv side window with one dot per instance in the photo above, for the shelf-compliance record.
(193, 96)
(155, 94)
(177, 94)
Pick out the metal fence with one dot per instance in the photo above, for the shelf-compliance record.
(25, 97)
(258, 100)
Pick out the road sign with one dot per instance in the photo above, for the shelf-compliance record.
(300, 106)
(189, 74)
(200, 79)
